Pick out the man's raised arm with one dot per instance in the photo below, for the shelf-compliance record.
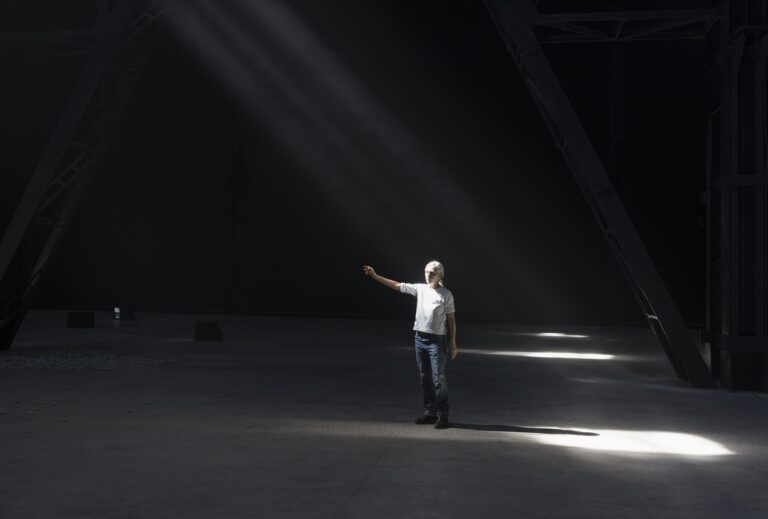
(368, 271)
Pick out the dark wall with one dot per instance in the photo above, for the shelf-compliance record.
(268, 154)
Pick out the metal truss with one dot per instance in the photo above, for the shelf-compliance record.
(124, 39)
(736, 334)
(515, 20)
(625, 25)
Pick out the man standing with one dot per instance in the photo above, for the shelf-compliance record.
(435, 311)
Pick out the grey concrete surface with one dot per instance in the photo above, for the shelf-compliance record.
(293, 417)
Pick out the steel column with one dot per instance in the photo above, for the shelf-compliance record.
(737, 334)
(514, 20)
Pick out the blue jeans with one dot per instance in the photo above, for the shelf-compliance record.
(432, 357)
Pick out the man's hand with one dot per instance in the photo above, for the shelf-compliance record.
(368, 271)
(453, 351)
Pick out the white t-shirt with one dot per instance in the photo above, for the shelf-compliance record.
(432, 304)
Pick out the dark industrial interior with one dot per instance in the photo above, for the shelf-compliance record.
(189, 192)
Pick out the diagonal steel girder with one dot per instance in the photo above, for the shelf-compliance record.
(74, 150)
(514, 20)
(109, 26)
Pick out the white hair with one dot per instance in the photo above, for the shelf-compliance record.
(438, 268)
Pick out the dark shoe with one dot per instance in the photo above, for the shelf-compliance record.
(425, 419)
(442, 422)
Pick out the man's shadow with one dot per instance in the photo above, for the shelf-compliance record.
(515, 428)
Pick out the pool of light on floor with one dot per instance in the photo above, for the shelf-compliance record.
(560, 335)
(656, 443)
(543, 354)
(650, 442)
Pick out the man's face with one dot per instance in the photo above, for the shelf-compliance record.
(430, 275)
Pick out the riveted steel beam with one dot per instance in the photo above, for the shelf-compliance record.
(515, 20)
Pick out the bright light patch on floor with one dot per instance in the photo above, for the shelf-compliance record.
(612, 441)
(565, 335)
(545, 354)
(650, 442)
(563, 355)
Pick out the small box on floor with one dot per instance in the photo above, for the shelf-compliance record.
(208, 331)
(81, 319)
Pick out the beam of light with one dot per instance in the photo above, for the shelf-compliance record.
(557, 334)
(289, 78)
(299, 120)
(543, 354)
(649, 442)
(470, 225)
(310, 120)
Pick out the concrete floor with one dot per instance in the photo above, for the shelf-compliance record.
(294, 417)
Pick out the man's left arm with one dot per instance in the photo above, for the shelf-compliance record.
(453, 351)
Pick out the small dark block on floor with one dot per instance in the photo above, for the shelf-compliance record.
(208, 331)
(81, 319)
